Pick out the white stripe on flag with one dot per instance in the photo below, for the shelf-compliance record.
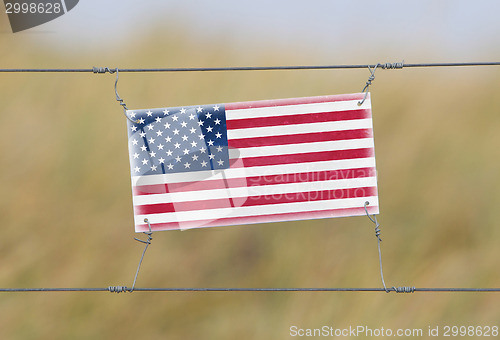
(261, 190)
(306, 147)
(286, 110)
(300, 128)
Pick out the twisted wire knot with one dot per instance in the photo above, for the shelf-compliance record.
(374, 220)
(99, 69)
(369, 81)
(118, 289)
(378, 232)
(120, 101)
(392, 66)
(403, 289)
(103, 70)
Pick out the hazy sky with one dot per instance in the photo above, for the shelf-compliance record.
(434, 29)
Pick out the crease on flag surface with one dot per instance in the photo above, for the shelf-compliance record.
(252, 162)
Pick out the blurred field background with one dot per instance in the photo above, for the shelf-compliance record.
(66, 210)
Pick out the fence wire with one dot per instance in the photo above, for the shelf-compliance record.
(123, 289)
(397, 65)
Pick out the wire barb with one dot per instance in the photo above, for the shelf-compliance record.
(368, 83)
(102, 70)
(118, 289)
(377, 234)
(120, 101)
(393, 66)
(404, 289)
(147, 242)
(121, 289)
(385, 66)
(373, 218)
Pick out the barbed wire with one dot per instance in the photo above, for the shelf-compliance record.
(398, 65)
(121, 289)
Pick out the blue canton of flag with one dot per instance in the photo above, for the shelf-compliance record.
(182, 139)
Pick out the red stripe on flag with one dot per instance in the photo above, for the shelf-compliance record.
(208, 184)
(317, 117)
(259, 219)
(251, 201)
(315, 176)
(301, 177)
(293, 101)
(308, 157)
(301, 138)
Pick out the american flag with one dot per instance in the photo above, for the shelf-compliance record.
(252, 162)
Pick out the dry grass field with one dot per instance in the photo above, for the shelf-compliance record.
(66, 209)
